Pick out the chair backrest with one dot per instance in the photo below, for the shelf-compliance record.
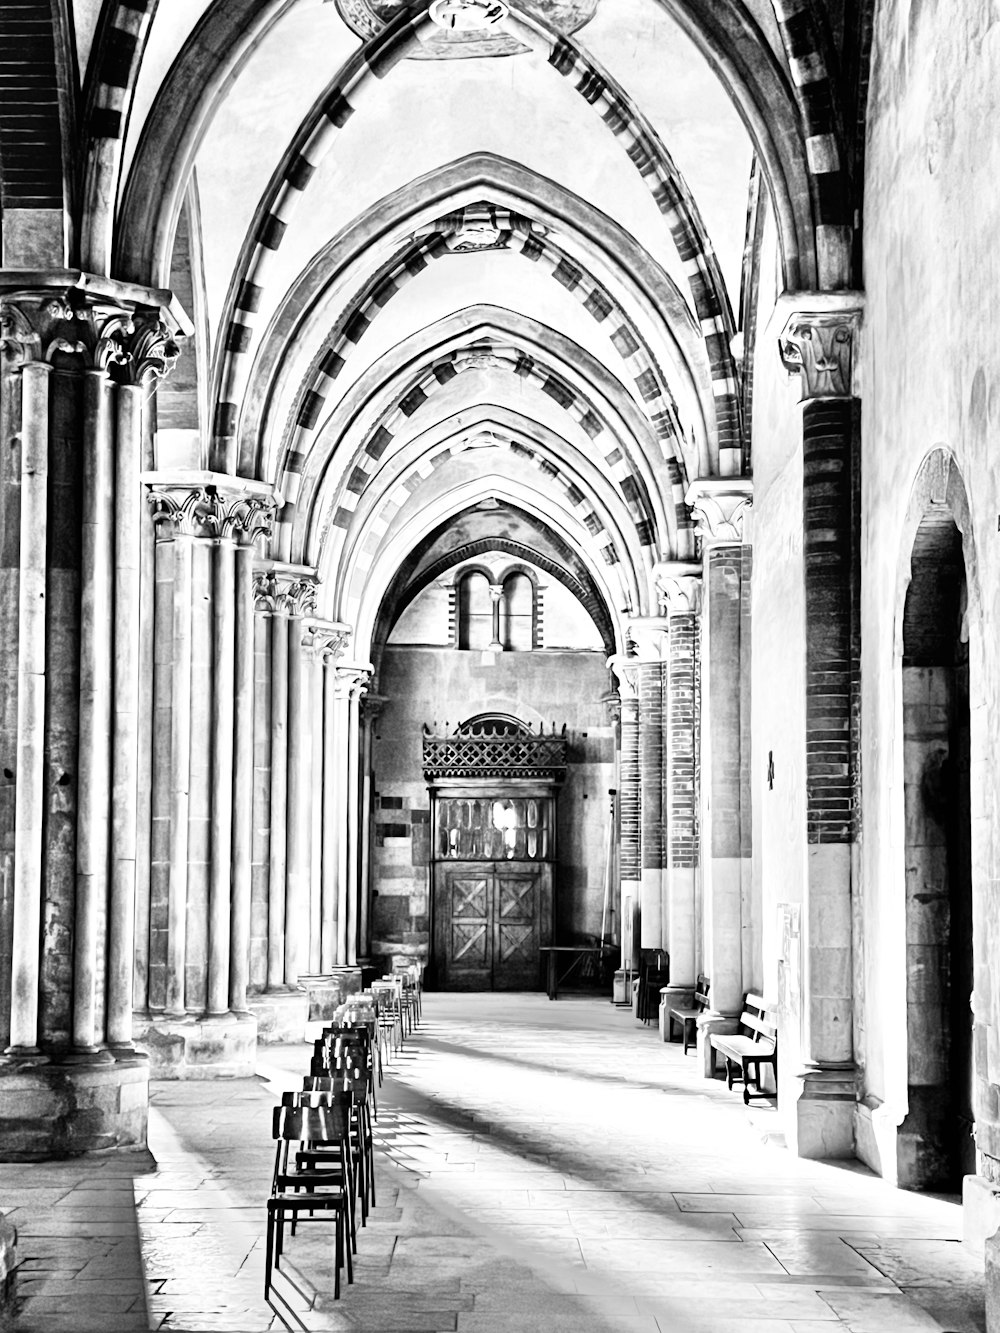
(701, 992)
(311, 1124)
(332, 1096)
(759, 1021)
(355, 1082)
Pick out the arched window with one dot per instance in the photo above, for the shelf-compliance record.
(475, 611)
(517, 613)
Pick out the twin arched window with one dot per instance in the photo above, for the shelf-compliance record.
(496, 615)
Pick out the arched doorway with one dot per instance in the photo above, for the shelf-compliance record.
(493, 787)
(935, 1145)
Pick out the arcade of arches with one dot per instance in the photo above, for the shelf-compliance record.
(478, 476)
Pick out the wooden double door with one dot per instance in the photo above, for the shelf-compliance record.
(490, 920)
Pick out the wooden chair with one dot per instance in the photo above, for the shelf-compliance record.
(688, 1018)
(357, 1082)
(754, 1045)
(325, 1163)
(312, 1193)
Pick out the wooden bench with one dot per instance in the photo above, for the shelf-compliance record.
(754, 1045)
(688, 1018)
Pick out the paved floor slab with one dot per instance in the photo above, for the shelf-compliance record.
(540, 1166)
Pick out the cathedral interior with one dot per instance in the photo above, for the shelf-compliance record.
(501, 489)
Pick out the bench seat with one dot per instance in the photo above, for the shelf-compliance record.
(745, 1051)
(688, 1017)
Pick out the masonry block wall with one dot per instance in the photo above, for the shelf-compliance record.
(931, 274)
(435, 686)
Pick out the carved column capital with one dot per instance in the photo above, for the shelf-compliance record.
(182, 511)
(35, 325)
(626, 670)
(678, 587)
(818, 343)
(352, 679)
(328, 639)
(129, 332)
(721, 508)
(649, 635)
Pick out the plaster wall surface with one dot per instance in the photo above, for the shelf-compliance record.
(778, 703)
(931, 378)
(442, 685)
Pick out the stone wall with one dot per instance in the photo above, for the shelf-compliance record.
(437, 685)
(931, 380)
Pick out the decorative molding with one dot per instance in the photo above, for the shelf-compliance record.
(207, 511)
(818, 343)
(75, 328)
(721, 509)
(327, 638)
(626, 671)
(678, 587)
(464, 28)
(650, 636)
(189, 511)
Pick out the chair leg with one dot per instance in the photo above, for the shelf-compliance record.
(338, 1254)
(268, 1252)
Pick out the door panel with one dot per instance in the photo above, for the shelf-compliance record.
(463, 927)
(489, 921)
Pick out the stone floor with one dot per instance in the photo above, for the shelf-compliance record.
(541, 1164)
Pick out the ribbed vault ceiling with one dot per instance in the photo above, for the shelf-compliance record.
(433, 271)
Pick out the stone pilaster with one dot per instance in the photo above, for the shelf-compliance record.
(649, 636)
(818, 344)
(679, 590)
(626, 671)
(721, 508)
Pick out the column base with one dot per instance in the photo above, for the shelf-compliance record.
(192, 1048)
(876, 1129)
(981, 1220)
(708, 1022)
(281, 1015)
(673, 997)
(822, 1121)
(621, 990)
(59, 1110)
(8, 1266)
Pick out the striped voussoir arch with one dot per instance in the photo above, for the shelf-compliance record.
(120, 56)
(314, 140)
(317, 134)
(817, 99)
(600, 540)
(481, 353)
(515, 234)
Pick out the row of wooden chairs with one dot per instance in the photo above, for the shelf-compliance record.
(324, 1163)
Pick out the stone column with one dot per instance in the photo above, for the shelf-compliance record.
(299, 807)
(30, 771)
(350, 680)
(145, 353)
(679, 589)
(371, 707)
(721, 508)
(96, 687)
(315, 685)
(223, 740)
(496, 597)
(333, 945)
(354, 819)
(817, 344)
(251, 526)
(626, 671)
(76, 701)
(649, 634)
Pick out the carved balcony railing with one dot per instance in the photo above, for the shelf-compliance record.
(496, 755)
